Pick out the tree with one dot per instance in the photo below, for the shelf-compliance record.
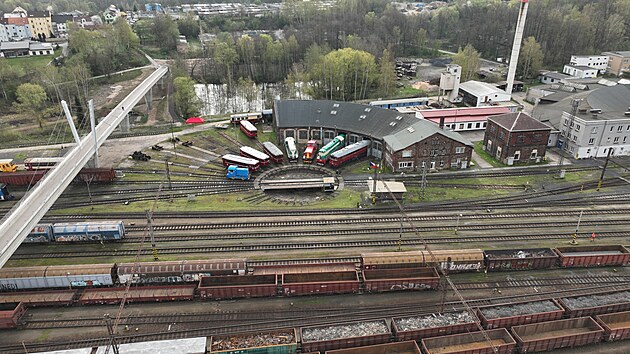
(9, 75)
(187, 103)
(30, 98)
(387, 79)
(166, 32)
(226, 54)
(530, 59)
(188, 27)
(468, 59)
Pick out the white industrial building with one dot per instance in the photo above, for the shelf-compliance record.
(599, 62)
(581, 72)
(477, 94)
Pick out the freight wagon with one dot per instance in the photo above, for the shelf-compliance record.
(178, 271)
(57, 277)
(29, 178)
(77, 232)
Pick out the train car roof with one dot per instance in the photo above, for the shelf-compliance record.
(43, 159)
(272, 148)
(6, 160)
(80, 269)
(240, 159)
(350, 148)
(256, 153)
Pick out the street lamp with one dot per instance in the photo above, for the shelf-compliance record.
(577, 229)
(457, 223)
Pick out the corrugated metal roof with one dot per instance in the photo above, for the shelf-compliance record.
(418, 132)
(611, 99)
(14, 45)
(520, 121)
(479, 88)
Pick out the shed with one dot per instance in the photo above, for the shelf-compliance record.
(383, 189)
(477, 93)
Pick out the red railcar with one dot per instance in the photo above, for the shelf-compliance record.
(25, 178)
(350, 152)
(241, 161)
(275, 154)
(255, 154)
(309, 152)
(248, 128)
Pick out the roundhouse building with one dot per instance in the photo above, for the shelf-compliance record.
(401, 141)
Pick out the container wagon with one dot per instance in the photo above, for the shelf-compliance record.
(275, 154)
(255, 154)
(291, 148)
(89, 231)
(349, 153)
(240, 161)
(324, 153)
(248, 128)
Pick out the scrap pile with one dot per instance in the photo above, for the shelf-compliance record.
(434, 320)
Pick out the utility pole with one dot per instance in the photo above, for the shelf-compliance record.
(577, 229)
(168, 177)
(423, 182)
(574, 106)
(110, 331)
(150, 228)
(601, 178)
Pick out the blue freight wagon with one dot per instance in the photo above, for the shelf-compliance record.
(41, 233)
(89, 231)
(235, 172)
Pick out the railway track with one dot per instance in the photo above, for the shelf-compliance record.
(310, 245)
(321, 319)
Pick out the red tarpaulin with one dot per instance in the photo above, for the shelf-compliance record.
(194, 120)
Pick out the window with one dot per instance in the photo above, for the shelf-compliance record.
(493, 128)
(433, 152)
(315, 134)
(611, 129)
(405, 164)
(484, 124)
(441, 163)
(461, 126)
(594, 130)
(591, 141)
(520, 139)
(517, 155)
(534, 154)
(619, 128)
(289, 133)
(574, 138)
(478, 125)
(578, 127)
(469, 126)
(501, 135)
(460, 150)
(302, 134)
(537, 138)
(624, 139)
(406, 153)
(616, 141)
(566, 122)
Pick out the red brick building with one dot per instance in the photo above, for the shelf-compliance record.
(516, 138)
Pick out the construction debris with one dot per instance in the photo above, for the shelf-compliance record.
(344, 331)
(434, 320)
(519, 309)
(253, 340)
(583, 302)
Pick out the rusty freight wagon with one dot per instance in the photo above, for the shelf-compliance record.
(40, 298)
(228, 287)
(320, 283)
(525, 259)
(10, 314)
(538, 337)
(595, 304)
(138, 294)
(409, 347)
(473, 342)
(344, 335)
(433, 325)
(616, 325)
(178, 271)
(466, 260)
(589, 256)
(378, 280)
(282, 341)
(508, 315)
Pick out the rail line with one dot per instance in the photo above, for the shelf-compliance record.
(322, 319)
(310, 245)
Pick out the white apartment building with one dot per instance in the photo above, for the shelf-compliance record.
(599, 62)
(582, 72)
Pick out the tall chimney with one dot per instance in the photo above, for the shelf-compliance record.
(442, 123)
(516, 46)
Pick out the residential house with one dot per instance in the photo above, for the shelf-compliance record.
(516, 138)
(581, 72)
(601, 123)
(477, 93)
(599, 62)
(618, 62)
(4, 34)
(60, 25)
(17, 28)
(41, 24)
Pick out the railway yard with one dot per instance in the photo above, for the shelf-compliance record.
(524, 248)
